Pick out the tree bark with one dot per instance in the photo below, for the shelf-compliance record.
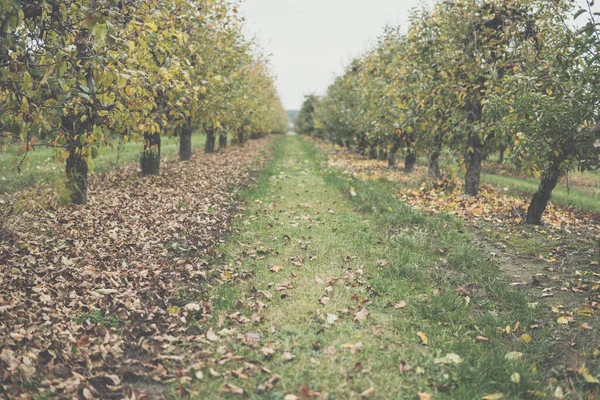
(150, 161)
(362, 146)
(372, 153)
(473, 164)
(396, 143)
(472, 177)
(77, 175)
(409, 161)
(433, 165)
(185, 142)
(501, 152)
(540, 199)
(222, 141)
(209, 145)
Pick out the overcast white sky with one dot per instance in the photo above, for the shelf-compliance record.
(310, 41)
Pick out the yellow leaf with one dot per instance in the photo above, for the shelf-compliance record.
(587, 376)
(423, 338)
(493, 396)
(152, 26)
(25, 105)
(585, 311)
(352, 192)
(225, 275)
(563, 320)
(173, 310)
(526, 338)
(515, 378)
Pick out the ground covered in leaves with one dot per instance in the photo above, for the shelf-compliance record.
(329, 285)
(91, 302)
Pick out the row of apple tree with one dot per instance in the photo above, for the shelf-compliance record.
(471, 78)
(75, 73)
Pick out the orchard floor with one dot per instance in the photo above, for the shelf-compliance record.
(329, 285)
(332, 288)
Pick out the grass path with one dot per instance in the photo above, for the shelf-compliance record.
(332, 288)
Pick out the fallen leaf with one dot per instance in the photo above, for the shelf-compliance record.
(493, 396)
(563, 320)
(400, 304)
(267, 351)
(105, 292)
(586, 326)
(331, 318)
(587, 376)
(252, 338)
(513, 356)
(361, 315)
(229, 388)
(210, 335)
(515, 378)
(450, 358)
(404, 366)
(585, 311)
(276, 268)
(423, 337)
(526, 338)
(352, 347)
(424, 396)
(367, 393)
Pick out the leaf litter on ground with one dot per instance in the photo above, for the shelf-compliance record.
(94, 296)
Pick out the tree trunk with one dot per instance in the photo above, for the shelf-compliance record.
(209, 145)
(473, 164)
(433, 165)
(501, 152)
(396, 143)
(409, 161)
(77, 174)
(372, 153)
(540, 199)
(185, 142)
(222, 141)
(150, 160)
(362, 146)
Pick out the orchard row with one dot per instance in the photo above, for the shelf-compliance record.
(75, 73)
(471, 78)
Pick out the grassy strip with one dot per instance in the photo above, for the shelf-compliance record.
(560, 195)
(370, 248)
(42, 168)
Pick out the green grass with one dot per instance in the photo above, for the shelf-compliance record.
(571, 197)
(42, 168)
(376, 249)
